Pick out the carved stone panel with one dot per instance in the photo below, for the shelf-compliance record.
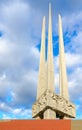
(55, 102)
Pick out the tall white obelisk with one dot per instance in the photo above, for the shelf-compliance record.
(50, 62)
(42, 67)
(62, 65)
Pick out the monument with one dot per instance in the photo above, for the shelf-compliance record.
(50, 105)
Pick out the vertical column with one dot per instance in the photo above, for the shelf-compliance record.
(50, 64)
(49, 114)
(42, 67)
(66, 117)
(37, 118)
(62, 64)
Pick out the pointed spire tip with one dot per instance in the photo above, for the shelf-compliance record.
(44, 18)
(50, 7)
(59, 16)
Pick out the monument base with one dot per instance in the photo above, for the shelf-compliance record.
(51, 106)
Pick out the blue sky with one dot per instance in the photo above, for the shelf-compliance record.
(20, 36)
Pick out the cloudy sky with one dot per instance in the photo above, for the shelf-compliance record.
(20, 36)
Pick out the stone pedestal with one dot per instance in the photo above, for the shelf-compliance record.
(38, 118)
(51, 105)
(66, 117)
(49, 114)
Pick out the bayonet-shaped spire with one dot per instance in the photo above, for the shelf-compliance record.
(42, 67)
(62, 64)
(50, 64)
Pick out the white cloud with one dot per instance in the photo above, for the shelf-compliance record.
(18, 57)
(9, 112)
(72, 22)
(73, 60)
(4, 117)
(24, 92)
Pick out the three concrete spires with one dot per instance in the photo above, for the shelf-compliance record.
(48, 104)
